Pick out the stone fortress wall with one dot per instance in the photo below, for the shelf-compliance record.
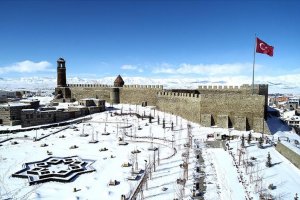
(136, 94)
(238, 110)
(99, 91)
(225, 106)
(182, 104)
(222, 106)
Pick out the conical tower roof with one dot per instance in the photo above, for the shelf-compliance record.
(119, 82)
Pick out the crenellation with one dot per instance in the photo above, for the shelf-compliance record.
(178, 94)
(89, 85)
(144, 86)
(246, 86)
(233, 87)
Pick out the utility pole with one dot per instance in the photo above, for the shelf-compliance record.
(154, 161)
(158, 155)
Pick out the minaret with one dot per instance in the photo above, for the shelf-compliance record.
(115, 91)
(62, 90)
(61, 73)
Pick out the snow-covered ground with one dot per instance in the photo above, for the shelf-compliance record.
(221, 176)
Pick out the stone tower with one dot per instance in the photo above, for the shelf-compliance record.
(119, 82)
(61, 73)
(115, 91)
(62, 91)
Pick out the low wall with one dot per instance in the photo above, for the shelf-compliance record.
(292, 156)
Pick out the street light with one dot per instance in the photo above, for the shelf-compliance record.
(229, 131)
(145, 165)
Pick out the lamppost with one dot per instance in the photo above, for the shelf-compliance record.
(173, 140)
(229, 131)
(145, 165)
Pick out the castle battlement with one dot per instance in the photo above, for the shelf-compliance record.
(90, 85)
(177, 94)
(144, 86)
(232, 87)
(254, 97)
(217, 87)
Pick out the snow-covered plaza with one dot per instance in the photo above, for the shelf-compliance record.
(143, 153)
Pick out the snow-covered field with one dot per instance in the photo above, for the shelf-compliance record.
(221, 176)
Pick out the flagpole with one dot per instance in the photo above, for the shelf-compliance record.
(253, 65)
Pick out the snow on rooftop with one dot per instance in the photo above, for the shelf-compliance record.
(29, 100)
(66, 105)
(13, 104)
(92, 99)
(28, 109)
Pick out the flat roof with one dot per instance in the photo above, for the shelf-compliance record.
(28, 109)
(29, 100)
(93, 99)
(13, 104)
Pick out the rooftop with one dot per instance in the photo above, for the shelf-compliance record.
(13, 104)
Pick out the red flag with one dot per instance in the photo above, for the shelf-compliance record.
(262, 47)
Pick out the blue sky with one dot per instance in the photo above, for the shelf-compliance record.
(150, 38)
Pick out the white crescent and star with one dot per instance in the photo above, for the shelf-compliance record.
(262, 46)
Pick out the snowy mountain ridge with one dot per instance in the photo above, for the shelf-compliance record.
(38, 83)
(48, 83)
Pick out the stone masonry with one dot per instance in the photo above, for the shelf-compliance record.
(224, 106)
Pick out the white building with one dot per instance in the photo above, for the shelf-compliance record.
(7, 94)
(293, 121)
(291, 118)
(293, 103)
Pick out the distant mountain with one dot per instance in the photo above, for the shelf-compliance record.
(49, 83)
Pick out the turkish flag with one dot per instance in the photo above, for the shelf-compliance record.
(262, 47)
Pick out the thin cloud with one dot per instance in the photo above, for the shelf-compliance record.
(204, 69)
(27, 66)
(132, 67)
(128, 67)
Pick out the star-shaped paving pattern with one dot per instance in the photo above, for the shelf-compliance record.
(61, 169)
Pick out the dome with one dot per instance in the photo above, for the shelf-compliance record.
(61, 60)
(119, 82)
